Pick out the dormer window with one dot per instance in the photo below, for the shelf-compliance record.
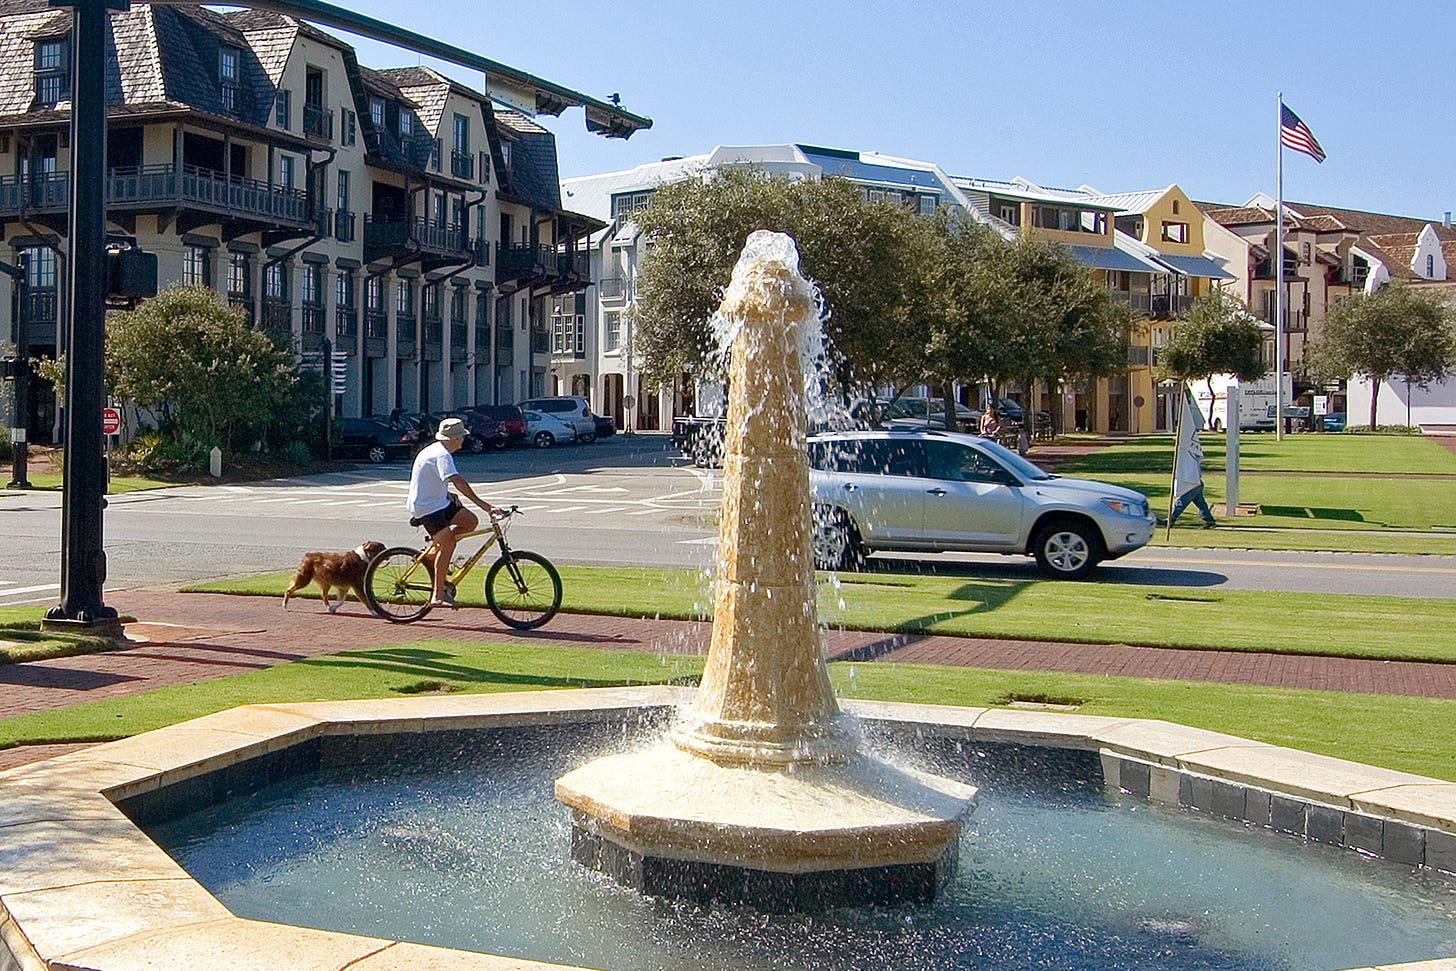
(228, 61)
(376, 112)
(52, 72)
(406, 124)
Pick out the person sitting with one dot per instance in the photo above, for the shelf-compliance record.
(990, 424)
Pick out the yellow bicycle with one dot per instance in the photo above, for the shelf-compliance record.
(523, 589)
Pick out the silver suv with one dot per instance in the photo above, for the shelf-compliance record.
(938, 491)
(572, 409)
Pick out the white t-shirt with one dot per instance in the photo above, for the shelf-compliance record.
(430, 480)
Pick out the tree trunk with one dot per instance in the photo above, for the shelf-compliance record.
(1374, 397)
(947, 396)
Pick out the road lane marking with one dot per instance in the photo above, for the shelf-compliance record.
(17, 591)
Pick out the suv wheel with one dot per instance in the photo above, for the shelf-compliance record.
(587, 439)
(545, 440)
(836, 544)
(1067, 550)
(377, 454)
(474, 445)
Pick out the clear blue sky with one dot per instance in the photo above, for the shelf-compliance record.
(1123, 96)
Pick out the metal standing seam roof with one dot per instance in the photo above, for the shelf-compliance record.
(1201, 266)
(1114, 258)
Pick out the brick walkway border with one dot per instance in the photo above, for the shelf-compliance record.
(185, 638)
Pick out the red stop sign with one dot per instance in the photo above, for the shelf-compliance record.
(110, 421)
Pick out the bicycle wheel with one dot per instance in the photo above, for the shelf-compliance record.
(523, 589)
(391, 593)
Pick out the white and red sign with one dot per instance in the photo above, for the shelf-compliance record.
(110, 421)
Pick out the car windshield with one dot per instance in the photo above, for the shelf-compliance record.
(1022, 467)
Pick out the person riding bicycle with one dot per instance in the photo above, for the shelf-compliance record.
(432, 505)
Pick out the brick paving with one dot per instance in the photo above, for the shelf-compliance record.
(185, 638)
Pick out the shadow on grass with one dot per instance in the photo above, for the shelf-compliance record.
(1025, 573)
(1312, 512)
(423, 663)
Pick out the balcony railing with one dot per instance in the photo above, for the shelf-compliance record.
(458, 338)
(462, 165)
(243, 302)
(318, 122)
(434, 329)
(278, 315)
(1294, 320)
(505, 341)
(39, 306)
(615, 288)
(376, 325)
(386, 237)
(313, 318)
(540, 341)
(1166, 305)
(344, 226)
(162, 185)
(1141, 303)
(346, 322)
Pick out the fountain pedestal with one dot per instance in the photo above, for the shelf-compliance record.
(760, 793)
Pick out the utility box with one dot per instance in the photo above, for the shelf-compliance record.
(130, 274)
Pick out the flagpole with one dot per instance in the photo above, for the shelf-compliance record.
(1177, 449)
(1279, 277)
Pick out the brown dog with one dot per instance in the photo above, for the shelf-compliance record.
(344, 571)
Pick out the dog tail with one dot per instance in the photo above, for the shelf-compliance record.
(301, 579)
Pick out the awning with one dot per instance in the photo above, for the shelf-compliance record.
(1196, 266)
(1110, 258)
(626, 235)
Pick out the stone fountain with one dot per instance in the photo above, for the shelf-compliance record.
(760, 793)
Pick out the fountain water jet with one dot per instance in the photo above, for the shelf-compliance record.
(760, 793)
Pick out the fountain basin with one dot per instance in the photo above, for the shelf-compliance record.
(859, 831)
(82, 886)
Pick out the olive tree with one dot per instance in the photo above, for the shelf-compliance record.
(1399, 330)
(1215, 335)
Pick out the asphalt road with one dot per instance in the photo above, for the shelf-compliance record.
(627, 500)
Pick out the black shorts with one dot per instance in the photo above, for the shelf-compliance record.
(438, 520)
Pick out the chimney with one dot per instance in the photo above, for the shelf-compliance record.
(1448, 218)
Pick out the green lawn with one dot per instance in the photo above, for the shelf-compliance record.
(1410, 734)
(1259, 452)
(51, 482)
(1286, 623)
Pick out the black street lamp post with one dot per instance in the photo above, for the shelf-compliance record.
(83, 556)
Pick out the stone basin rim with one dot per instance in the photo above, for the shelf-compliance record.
(159, 913)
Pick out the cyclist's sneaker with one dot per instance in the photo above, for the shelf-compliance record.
(448, 600)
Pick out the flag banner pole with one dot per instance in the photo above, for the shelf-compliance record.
(1279, 278)
(1177, 446)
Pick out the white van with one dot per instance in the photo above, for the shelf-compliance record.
(572, 409)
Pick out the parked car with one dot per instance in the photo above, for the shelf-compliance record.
(481, 432)
(1334, 421)
(544, 430)
(375, 439)
(572, 409)
(509, 419)
(938, 491)
(606, 427)
(915, 413)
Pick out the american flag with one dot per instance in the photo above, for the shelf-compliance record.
(1295, 134)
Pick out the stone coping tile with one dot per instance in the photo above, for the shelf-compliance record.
(22, 806)
(423, 957)
(948, 716)
(1056, 729)
(1160, 741)
(1429, 804)
(1306, 775)
(63, 920)
(231, 943)
(49, 854)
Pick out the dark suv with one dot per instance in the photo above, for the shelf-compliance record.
(509, 422)
(375, 439)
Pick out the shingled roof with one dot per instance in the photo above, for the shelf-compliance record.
(535, 180)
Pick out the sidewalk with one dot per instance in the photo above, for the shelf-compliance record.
(184, 638)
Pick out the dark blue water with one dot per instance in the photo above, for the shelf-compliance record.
(474, 853)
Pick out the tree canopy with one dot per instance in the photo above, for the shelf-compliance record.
(1216, 335)
(1398, 330)
(865, 258)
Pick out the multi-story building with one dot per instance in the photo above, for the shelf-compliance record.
(395, 214)
(1328, 254)
(593, 356)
